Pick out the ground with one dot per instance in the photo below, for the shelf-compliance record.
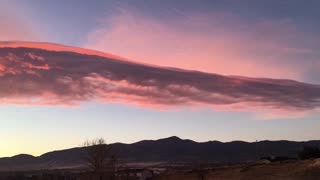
(291, 170)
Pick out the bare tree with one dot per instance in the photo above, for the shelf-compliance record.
(200, 169)
(100, 159)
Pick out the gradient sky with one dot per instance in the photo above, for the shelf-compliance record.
(267, 38)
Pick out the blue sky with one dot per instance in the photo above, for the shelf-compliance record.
(276, 39)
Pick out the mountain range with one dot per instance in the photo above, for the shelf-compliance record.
(167, 150)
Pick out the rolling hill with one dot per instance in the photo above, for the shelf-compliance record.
(167, 150)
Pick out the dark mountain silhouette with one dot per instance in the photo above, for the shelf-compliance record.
(172, 149)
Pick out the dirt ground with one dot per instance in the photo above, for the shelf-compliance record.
(290, 170)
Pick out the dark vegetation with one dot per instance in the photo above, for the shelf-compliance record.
(100, 159)
(309, 152)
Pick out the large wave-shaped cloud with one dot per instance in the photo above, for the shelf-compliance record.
(44, 76)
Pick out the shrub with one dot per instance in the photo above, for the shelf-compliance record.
(309, 152)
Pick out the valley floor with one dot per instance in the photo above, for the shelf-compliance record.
(262, 170)
(290, 170)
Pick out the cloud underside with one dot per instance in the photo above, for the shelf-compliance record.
(41, 77)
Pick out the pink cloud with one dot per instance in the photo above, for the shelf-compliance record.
(35, 76)
(14, 25)
(54, 47)
(218, 43)
(12, 64)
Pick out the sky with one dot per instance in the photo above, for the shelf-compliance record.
(249, 38)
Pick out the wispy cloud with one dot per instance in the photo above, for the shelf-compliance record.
(14, 26)
(219, 42)
(42, 77)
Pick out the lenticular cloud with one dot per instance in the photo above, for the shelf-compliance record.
(50, 74)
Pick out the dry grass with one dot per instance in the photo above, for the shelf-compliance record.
(290, 170)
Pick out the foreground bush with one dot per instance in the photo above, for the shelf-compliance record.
(309, 152)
